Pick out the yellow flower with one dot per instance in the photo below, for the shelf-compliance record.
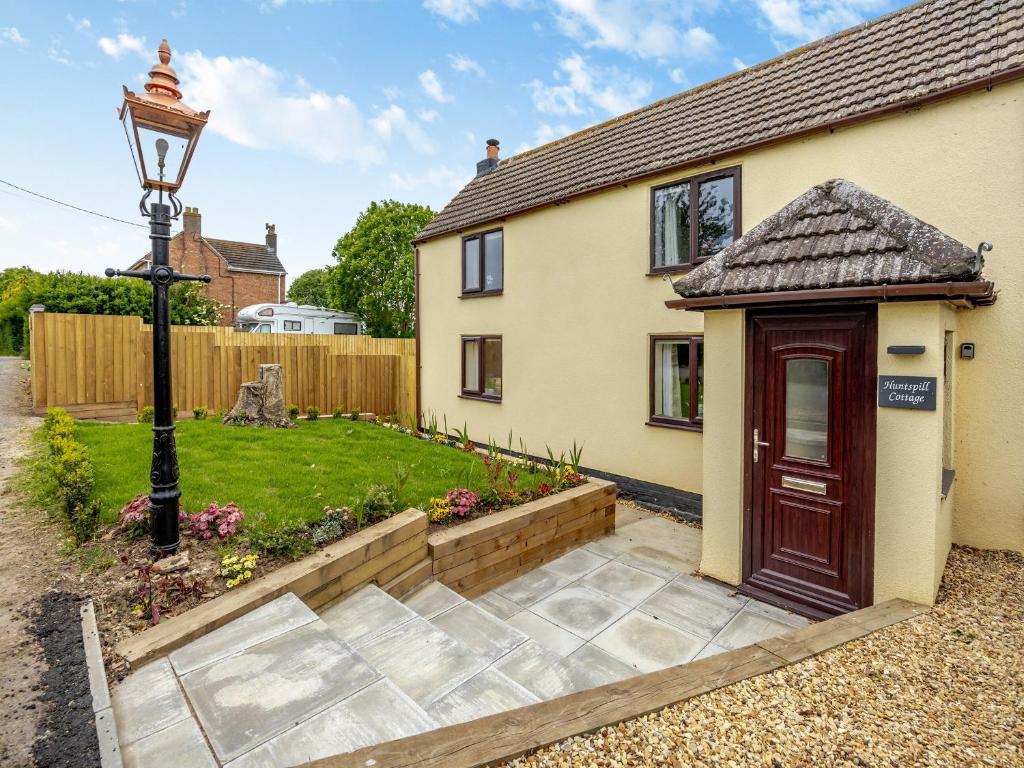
(248, 575)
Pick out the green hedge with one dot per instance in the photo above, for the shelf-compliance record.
(72, 474)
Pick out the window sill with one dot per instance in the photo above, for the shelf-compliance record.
(686, 426)
(682, 269)
(478, 294)
(484, 398)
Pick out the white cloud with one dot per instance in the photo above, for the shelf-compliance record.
(394, 121)
(432, 86)
(80, 25)
(57, 52)
(739, 63)
(545, 134)
(12, 35)
(391, 92)
(122, 44)
(577, 82)
(651, 29)
(440, 178)
(427, 115)
(259, 107)
(678, 76)
(462, 63)
(804, 20)
(459, 11)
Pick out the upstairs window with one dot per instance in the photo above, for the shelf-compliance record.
(481, 367)
(483, 264)
(677, 381)
(693, 219)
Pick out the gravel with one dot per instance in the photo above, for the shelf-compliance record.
(945, 688)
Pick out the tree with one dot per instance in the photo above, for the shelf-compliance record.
(76, 293)
(310, 288)
(374, 277)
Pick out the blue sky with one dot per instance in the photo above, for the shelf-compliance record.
(319, 107)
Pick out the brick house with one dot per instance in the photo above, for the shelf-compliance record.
(243, 273)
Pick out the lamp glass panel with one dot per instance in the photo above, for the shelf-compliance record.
(173, 159)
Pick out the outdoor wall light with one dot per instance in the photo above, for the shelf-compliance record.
(163, 136)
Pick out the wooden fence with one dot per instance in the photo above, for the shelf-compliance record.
(100, 366)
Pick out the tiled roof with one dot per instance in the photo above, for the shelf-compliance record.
(251, 256)
(834, 235)
(925, 49)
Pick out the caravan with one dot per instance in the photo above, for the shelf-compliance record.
(295, 318)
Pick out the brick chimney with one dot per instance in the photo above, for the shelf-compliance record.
(192, 224)
(490, 162)
(272, 238)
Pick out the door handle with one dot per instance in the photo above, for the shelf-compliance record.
(758, 444)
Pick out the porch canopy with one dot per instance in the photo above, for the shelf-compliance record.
(836, 242)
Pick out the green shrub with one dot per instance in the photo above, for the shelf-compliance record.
(339, 413)
(354, 415)
(293, 412)
(146, 415)
(285, 541)
(199, 413)
(378, 503)
(55, 416)
(83, 521)
(219, 414)
(312, 413)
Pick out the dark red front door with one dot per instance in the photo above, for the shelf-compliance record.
(810, 459)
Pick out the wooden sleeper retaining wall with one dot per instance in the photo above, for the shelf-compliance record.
(480, 555)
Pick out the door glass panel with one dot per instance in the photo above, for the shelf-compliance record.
(807, 408)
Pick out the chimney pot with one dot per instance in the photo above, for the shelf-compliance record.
(192, 223)
(490, 162)
(272, 238)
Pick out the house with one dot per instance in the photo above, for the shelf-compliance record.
(765, 303)
(243, 273)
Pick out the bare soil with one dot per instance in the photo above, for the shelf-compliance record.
(30, 565)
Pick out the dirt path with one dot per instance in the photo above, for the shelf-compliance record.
(30, 564)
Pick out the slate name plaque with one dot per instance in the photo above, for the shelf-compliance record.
(917, 392)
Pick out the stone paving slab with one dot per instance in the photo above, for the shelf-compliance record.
(486, 693)
(701, 612)
(599, 667)
(244, 700)
(576, 564)
(532, 586)
(422, 660)
(540, 671)
(747, 627)
(366, 614)
(268, 621)
(179, 745)
(581, 611)
(655, 539)
(647, 644)
(482, 633)
(623, 583)
(551, 636)
(432, 599)
(497, 605)
(378, 713)
(147, 701)
(710, 650)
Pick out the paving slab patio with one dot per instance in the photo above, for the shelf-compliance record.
(282, 685)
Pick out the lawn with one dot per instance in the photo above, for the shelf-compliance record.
(279, 476)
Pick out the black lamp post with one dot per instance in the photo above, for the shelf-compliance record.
(160, 114)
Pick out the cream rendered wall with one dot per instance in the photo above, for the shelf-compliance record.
(575, 318)
(577, 311)
(910, 548)
(724, 444)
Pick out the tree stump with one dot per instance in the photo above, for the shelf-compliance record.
(261, 403)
